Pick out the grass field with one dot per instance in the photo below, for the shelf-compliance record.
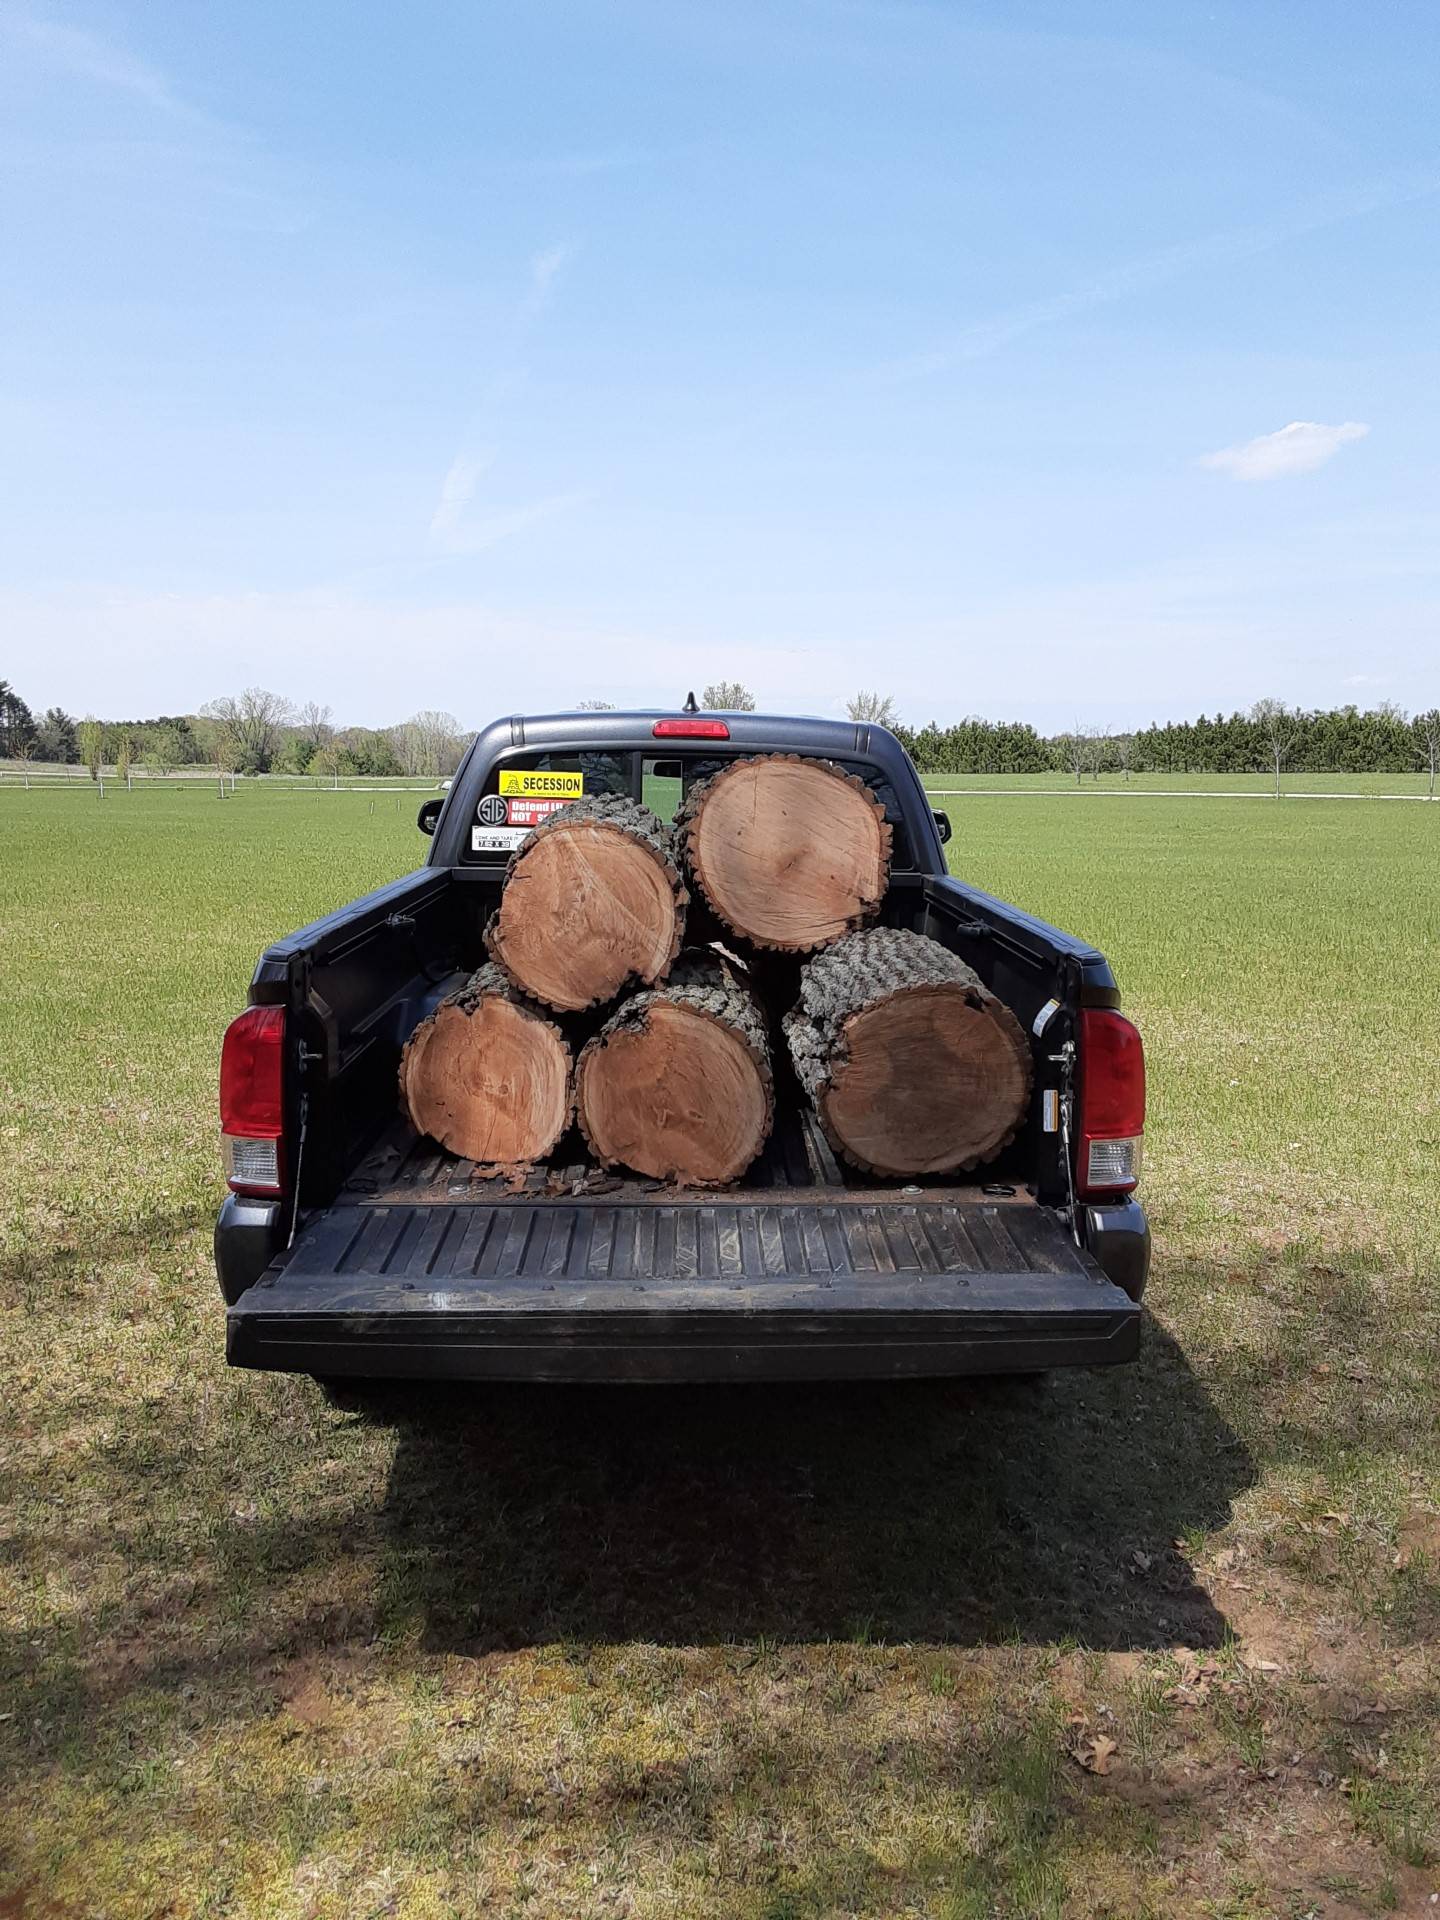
(1156, 1641)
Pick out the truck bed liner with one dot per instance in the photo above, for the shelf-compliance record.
(797, 1166)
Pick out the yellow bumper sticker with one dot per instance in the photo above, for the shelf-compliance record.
(529, 785)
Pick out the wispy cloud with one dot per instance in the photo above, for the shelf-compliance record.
(1299, 448)
(86, 56)
(545, 269)
(454, 529)
(456, 492)
(488, 530)
(1147, 274)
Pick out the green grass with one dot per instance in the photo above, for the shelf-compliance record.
(755, 1653)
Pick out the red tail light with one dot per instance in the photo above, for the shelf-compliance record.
(690, 730)
(252, 1100)
(1111, 1106)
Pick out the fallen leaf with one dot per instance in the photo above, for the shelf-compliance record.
(1097, 1755)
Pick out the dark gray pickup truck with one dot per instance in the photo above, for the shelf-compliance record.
(348, 1247)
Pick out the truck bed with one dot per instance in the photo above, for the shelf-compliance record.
(425, 1268)
(381, 1255)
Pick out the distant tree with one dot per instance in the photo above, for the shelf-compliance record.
(325, 763)
(428, 743)
(55, 737)
(92, 749)
(251, 723)
(1123, 745)
(313, 729)
(1428, 727)
(368, 753)
(1074, 750)
(594, 706)
(25, 753)
(1097, 749)
(165, 751)
(876, 708)
(728, 696)
(124, 755)
(1279, 729)
(225, 750)
(17, 723)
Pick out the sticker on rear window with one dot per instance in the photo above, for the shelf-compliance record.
(497, 839)
(529, 784)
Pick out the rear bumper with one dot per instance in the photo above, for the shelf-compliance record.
(680, 1293)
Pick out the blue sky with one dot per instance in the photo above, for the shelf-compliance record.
(484, 357)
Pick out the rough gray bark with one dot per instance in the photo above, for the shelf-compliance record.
(593, 899)
(493, 1086)
(657, 1092)
(911, 1063)
(616, 810)
(834, 861)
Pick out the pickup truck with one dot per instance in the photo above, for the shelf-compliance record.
(349, 1247)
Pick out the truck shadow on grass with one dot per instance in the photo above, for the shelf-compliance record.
(947, 1511)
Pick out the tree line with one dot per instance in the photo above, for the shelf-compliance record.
(1269, 738)
(246, 733)
(260, 732)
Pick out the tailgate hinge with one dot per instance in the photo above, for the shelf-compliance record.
(1065, 1060)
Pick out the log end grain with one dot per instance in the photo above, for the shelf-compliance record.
(789, 853)
(677, 1084)
(913, 1065)
(592, 901)
(487, 1076)
(931, 1081)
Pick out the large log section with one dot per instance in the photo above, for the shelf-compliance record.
(487, 1075)
(677, 1084)
(592, 901)
(789, 853)
(912, 1064)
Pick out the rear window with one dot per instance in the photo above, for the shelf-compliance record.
(523, 789)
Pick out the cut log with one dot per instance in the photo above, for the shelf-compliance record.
(592, 901)
(912, 1064)
(487, 1075)
(789, 853)
(677, 1084)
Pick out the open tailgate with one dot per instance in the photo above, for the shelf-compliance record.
(682, 1289)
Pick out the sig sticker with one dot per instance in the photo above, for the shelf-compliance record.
(528, 784)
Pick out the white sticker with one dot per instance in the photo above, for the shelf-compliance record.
(1052, 1110)
(497, 839)
(1046, 1014)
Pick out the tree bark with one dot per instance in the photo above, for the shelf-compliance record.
(677, 1083)
(592, 901)
(487, 1075)
(789, 853)
(912, 1064)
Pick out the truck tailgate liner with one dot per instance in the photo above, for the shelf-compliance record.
(692, 1289)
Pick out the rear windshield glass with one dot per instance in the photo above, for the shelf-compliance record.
(526, 787)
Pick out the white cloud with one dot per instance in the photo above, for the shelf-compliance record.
(1299, 448)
